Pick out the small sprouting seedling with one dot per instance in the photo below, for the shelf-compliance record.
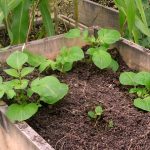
(48, 89)
(63, 62)
(110, 123)
(96, 114)
(141, 87)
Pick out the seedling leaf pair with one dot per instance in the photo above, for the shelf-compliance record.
(96, 113)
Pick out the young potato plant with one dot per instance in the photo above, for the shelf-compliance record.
(63, 62)
(99, 46)
(141, 87)
(48, 89)
(96, 114)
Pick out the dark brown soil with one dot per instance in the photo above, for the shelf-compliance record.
(37, 32)
(66, 125)
(108, 3)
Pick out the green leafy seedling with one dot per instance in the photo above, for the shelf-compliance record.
(48, 89)
(96, 114)
(63, 62)
(99, 46)
(141, 87)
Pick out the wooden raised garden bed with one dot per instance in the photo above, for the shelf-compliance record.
(66, 124)
(78, 80)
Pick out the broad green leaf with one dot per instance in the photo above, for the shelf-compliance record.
(2, 92)
(67, 66)
(143, 78)
(46, 64)
(75, 54)
(34, 59)
(29, 92)
(50, 89)
(92, 115)
(98, 110)
(12, 72)
(10, 94)
(127, 78)
(16, 112)
(91, 51)
(102, 59)
(73, 33)
(46, 15)
(143, 104)
(114, 65)
(108, 36)
(26, 70)
(52, 100)
(20, 25)
(35, 82)
(17, 59)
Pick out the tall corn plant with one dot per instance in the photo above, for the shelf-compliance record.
(131, 12)
(17, 16)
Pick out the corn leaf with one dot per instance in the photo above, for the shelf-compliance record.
(6, 6)
(141, 26)
(141, 11)
(20, 25)
(46, 15)
(131, 13)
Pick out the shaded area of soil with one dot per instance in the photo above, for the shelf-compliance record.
(66, 125)
(37, 32)
(108, 3)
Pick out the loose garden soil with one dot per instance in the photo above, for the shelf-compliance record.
(66, 125)
(108, 3)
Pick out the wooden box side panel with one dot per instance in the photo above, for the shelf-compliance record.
(48, 47)
(135, 56)
(93, 14)
(11, 138)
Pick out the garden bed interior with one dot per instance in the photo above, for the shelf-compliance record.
(66, 124)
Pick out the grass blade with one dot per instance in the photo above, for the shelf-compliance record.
(20, 22)
(46, 15)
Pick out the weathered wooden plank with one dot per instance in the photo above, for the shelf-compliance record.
(94, 14)
(11, 137)
(134, 55)
(48, 47)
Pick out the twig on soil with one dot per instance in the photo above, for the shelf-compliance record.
(60, 141)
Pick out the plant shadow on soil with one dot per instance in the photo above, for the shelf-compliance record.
(66, 125)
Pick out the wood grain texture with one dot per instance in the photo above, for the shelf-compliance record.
(19, 136)
(94, 14)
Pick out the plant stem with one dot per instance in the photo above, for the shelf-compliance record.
(76, 12)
